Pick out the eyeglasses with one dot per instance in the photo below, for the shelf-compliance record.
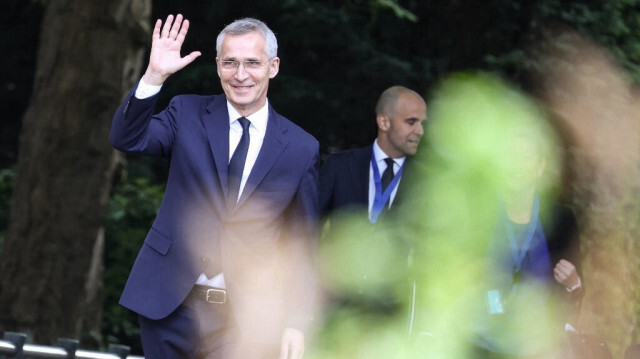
(233, 65)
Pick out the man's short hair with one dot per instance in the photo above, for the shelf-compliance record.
(247, 25)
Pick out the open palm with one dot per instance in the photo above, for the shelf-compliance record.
(165, 57)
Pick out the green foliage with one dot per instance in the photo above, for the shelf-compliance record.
(132, 208)
(615, 25)
(337, 56)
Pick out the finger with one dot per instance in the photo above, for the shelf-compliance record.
(284, 348)
(167, 26)
(156, 29)
(563, 261)
(560, 277)
(292, 352)
(284, 351)
(565, 267)
(560, 272)
(175, 28)
(189, 58)
(566, 264)
(562, 265)
(183, 31)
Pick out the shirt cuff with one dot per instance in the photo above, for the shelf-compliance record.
(145, 90)
(575, 287)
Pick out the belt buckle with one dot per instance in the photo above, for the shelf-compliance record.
(216, 296)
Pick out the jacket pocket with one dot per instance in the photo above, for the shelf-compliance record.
(159, 242)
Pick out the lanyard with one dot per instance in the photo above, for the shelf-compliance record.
(518, 255)
(381, 198)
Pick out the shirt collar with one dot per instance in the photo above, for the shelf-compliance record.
(380, 155)
(258, 119)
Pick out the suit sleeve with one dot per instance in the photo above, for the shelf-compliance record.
(306, 207)
(302, 298)
(135, 129)
(326, 186)
(564, 243)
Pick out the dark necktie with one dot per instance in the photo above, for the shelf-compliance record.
(236, 165)
(387, 175)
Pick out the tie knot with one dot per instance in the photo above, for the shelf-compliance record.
(390, 162)
(244, 122)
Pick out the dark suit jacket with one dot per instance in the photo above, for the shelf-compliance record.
(561, 230)
(344, 181)
(344, 197)
(277, 210)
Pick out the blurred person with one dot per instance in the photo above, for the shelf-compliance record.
(220, 273)
(490, 169)
(533, 260)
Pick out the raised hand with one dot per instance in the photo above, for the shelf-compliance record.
(165, 58)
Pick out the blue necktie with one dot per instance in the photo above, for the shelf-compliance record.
(387, 175)
(236, 165)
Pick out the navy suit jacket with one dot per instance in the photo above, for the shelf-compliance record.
(276, 212)
(344, 181)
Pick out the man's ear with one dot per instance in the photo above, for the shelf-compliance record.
(274, 67)
(383, 122)
(218, 67)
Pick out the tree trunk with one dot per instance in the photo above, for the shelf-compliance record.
(90, 52)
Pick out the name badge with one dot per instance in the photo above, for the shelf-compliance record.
(495, 303)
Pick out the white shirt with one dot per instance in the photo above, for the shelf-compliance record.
(257, 130)
(382, 165)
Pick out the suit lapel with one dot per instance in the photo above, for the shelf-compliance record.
(216, 123)
(274, 143)
(403, 182)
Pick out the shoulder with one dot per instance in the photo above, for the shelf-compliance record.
(199, 100)
(297, 135)
(560, 224)
(558, 215)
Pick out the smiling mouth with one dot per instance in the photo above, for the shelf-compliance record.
(242, 88)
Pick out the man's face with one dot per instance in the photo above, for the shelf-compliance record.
(246, 88)
(405, 127)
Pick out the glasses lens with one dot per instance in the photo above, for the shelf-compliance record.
(229, 64)
(252, 64)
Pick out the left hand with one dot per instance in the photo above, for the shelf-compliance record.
(566, 274)
(292, 344)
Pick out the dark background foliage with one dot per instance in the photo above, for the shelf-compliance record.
(336, 58)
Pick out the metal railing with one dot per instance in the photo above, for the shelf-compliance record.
(13, 346)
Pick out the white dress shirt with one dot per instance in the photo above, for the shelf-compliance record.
(382, 165)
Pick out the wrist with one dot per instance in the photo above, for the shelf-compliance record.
(154, 79)
(575, 287)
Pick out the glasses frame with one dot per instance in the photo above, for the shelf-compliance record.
(256, 65)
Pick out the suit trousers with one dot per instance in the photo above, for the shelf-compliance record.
(196, 329)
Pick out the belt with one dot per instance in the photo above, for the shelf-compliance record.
(210, 295)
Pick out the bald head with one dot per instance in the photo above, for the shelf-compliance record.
(400, 115)
(389, 99)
